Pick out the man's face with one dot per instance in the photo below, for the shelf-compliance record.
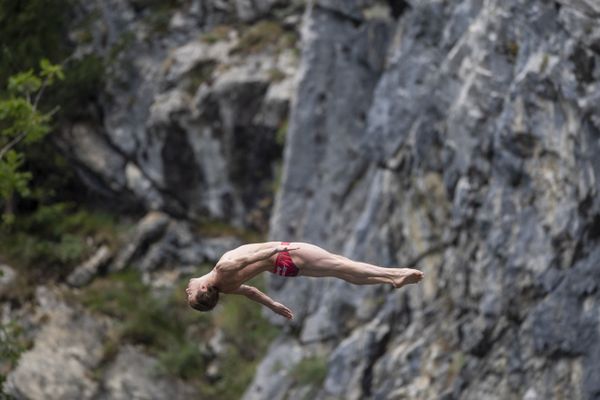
(194, 286)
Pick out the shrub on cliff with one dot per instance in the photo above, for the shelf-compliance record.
(22, 124)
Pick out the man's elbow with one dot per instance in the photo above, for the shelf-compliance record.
(253, 293)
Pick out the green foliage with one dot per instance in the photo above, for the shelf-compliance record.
(199, 74)
(36, 29)
(84, 81)
(11, 347)
(160, 323)
(311, 371)
(21, 123)
(281, 133)
(239, 315)
(24, 83)
(183, 359)
(238, 372)
(49, 241)
(31, 30)
(122, 43)
(51, 71)
(164, 324)
(218, 228)
(18, 116)
(11, 179)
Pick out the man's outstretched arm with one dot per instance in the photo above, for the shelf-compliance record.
(241, 262)
(256, 295)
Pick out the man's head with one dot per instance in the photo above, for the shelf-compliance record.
(201, 295)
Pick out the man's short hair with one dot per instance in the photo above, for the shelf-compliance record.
(205, 301)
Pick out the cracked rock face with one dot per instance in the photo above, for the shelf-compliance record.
(466, 144)
(133, 375)
(186, 122)
(69, 339)
(66, 359)
(461, 137)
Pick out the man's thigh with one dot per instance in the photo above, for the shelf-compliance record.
(314, 261)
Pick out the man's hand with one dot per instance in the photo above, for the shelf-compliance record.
(282, 310)
(281, 248)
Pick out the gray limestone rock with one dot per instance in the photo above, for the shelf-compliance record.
(474, 159)
(148, 230)
(66, 349)
(273, 378)
(84, 273)
(134, 375)
(460, 137)
(65, 360)
(7, 276)
(248, 10)
(182, 123)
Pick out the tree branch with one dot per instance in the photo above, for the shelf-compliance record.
(39, 94)
(12, 143)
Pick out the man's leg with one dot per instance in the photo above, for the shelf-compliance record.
(318, 262)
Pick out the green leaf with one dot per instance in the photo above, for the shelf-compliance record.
(18, 116)
(11, 179)
(51, 71)
(24, 83)
(8, 219)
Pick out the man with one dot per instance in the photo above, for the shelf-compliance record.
(286, 259)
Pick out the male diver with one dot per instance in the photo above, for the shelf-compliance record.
(286, 259)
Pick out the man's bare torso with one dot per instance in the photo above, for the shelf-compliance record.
(230, 280)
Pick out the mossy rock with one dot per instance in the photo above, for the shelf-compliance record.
(218, 34)
(265, 35)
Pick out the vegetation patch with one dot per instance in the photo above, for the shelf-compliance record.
(311, 371)
(176, 335)
(217, 34)
(11, 347)
(124, 41)
(31, 30)
(47, 243)
(276, 75)
(219, 228)
(281, 133)
(57, 233)
(511, 49)
(37, 29)
(456, 365)
(264, 35)
(159, 12)
(83, 29)
(201, 73)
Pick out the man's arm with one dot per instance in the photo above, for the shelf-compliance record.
(241, 262)
(256, 295)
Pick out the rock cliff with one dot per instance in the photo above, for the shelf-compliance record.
(460, 137)
(188, 116)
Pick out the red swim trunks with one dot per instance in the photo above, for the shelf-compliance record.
(284, 265)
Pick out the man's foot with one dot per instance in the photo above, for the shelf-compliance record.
(405, 276)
